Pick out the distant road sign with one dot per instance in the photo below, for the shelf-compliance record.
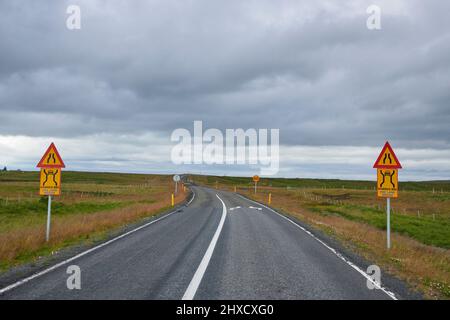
(387, 183)
(387, 159)
(51, 158)
(255, 178)
(50, 182)
(176, 178)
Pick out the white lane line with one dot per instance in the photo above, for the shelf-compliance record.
(56, 266)
(231, 209)
(192, 199)
(198, 276)
(256, 208)
(339, 255)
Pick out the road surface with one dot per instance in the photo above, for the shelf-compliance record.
(220, 246)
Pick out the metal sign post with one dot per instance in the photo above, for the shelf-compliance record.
(49, 215)
(388, 222)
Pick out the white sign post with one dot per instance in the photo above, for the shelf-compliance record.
(49, 215)
(388, 224)
(176, 178)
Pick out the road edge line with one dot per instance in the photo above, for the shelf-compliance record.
(192, 199)
(199, 273)
(64, 262)
(337, 253)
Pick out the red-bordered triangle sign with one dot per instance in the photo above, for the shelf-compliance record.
(387, 159)
(51, 158)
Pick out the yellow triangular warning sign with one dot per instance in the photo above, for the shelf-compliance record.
(387, 159)
(51, 159)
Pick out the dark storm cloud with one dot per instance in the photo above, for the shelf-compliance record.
(310, 68)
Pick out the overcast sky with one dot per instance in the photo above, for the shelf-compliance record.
(110, 94)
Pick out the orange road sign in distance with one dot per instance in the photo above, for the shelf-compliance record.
(255, 178)
(51, 158)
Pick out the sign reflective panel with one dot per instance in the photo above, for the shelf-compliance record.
(51, 158)
(387, 183)
(50, 182)
(387, 159)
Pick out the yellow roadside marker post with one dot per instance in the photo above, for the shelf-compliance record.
(234, 189)
(173, 200)
(50, 179)
(270, 198)
(387, 166)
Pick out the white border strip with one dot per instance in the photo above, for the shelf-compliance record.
(56, 266)
(339, 255)
(192, 199)
(198, 276)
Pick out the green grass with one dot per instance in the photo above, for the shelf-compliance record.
(20, 204)
(91, 205)
(421, 213)
(438, 186)
(58, 208)
(435, 232)
(424, 206)
(80, 177)
(24, 213)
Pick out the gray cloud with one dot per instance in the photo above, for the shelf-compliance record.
(310, 68)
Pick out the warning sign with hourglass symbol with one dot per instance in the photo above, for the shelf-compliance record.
(387, 183)
(50, 182)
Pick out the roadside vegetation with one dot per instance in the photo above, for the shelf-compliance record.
(350, 212)
(91, 206)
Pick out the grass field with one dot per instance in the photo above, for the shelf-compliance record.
(91, 205)
(437, 186)
(350, 212)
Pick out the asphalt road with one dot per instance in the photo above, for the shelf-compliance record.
(221, 246)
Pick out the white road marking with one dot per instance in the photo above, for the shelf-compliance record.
(231, 209)
(198, 276)
(339, 255)
(56, 266)
(192, 199)
(256, 208)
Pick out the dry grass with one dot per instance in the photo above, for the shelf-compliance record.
(80, 215)
(424, 267)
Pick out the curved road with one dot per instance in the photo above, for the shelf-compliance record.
(221, 246)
